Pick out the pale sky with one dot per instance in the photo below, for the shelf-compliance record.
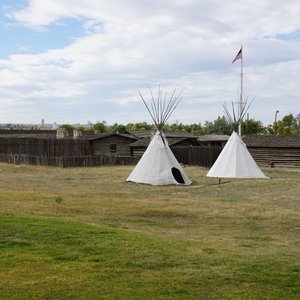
(73, 61)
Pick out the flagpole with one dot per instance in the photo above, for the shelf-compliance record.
(241, 95)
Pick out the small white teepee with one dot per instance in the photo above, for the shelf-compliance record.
(235, 161)
(158, 165)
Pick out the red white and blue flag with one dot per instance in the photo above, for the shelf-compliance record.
(238, 56)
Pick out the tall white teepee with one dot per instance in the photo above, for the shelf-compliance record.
(235, 161)
(158, 165)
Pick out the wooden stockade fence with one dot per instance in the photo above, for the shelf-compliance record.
(68, 152)
(50, 151)
(203, 156)
(47, 150)
(49, 147)
(67, 161)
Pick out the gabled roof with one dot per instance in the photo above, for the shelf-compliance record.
(272, 141)
(140, 133)
(104, 135)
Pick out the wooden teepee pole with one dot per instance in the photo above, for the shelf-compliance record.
(241, 95)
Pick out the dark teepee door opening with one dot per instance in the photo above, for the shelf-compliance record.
(177, 175)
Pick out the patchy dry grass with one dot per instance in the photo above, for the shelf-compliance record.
(85, 233)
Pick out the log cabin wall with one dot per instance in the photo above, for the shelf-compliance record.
(138, 151)
(274, 151)
(112, 144)
(276, 157)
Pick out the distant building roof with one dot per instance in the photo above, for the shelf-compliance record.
(213, 138)
(139, 133)
(104, 135)
(144, 142)
(168, 134)
(179, 133)
(274, 141)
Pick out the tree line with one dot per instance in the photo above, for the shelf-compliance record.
(288, 125)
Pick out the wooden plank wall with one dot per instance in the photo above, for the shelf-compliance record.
(276, 157)
(67, 161)
(79, 152)
(102, 146)
(203, 156)
(48, 147)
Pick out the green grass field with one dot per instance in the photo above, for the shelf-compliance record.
(85, 233)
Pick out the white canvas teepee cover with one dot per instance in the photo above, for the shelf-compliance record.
(158, 165)
(235, 161)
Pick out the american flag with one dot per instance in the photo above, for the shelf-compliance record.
(238, 56)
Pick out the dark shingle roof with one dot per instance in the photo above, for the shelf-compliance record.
(139, 133)
(272, 141)
(168, 134)
(213, 138)
(104, 135)
(171, 141)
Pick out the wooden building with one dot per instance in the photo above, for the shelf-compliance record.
(274, 151)
(113, 144)
(66, 152)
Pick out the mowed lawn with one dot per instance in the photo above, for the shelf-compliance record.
(85, 233)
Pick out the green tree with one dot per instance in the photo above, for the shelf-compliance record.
(68, 127)
(252, 126)
(296, 124)
(117, 128)
(139, 126)
(81, 128)
(174, 127)
(195, 129)
(271, 129)
(99, 127)
(289, 125)
(219, 126)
